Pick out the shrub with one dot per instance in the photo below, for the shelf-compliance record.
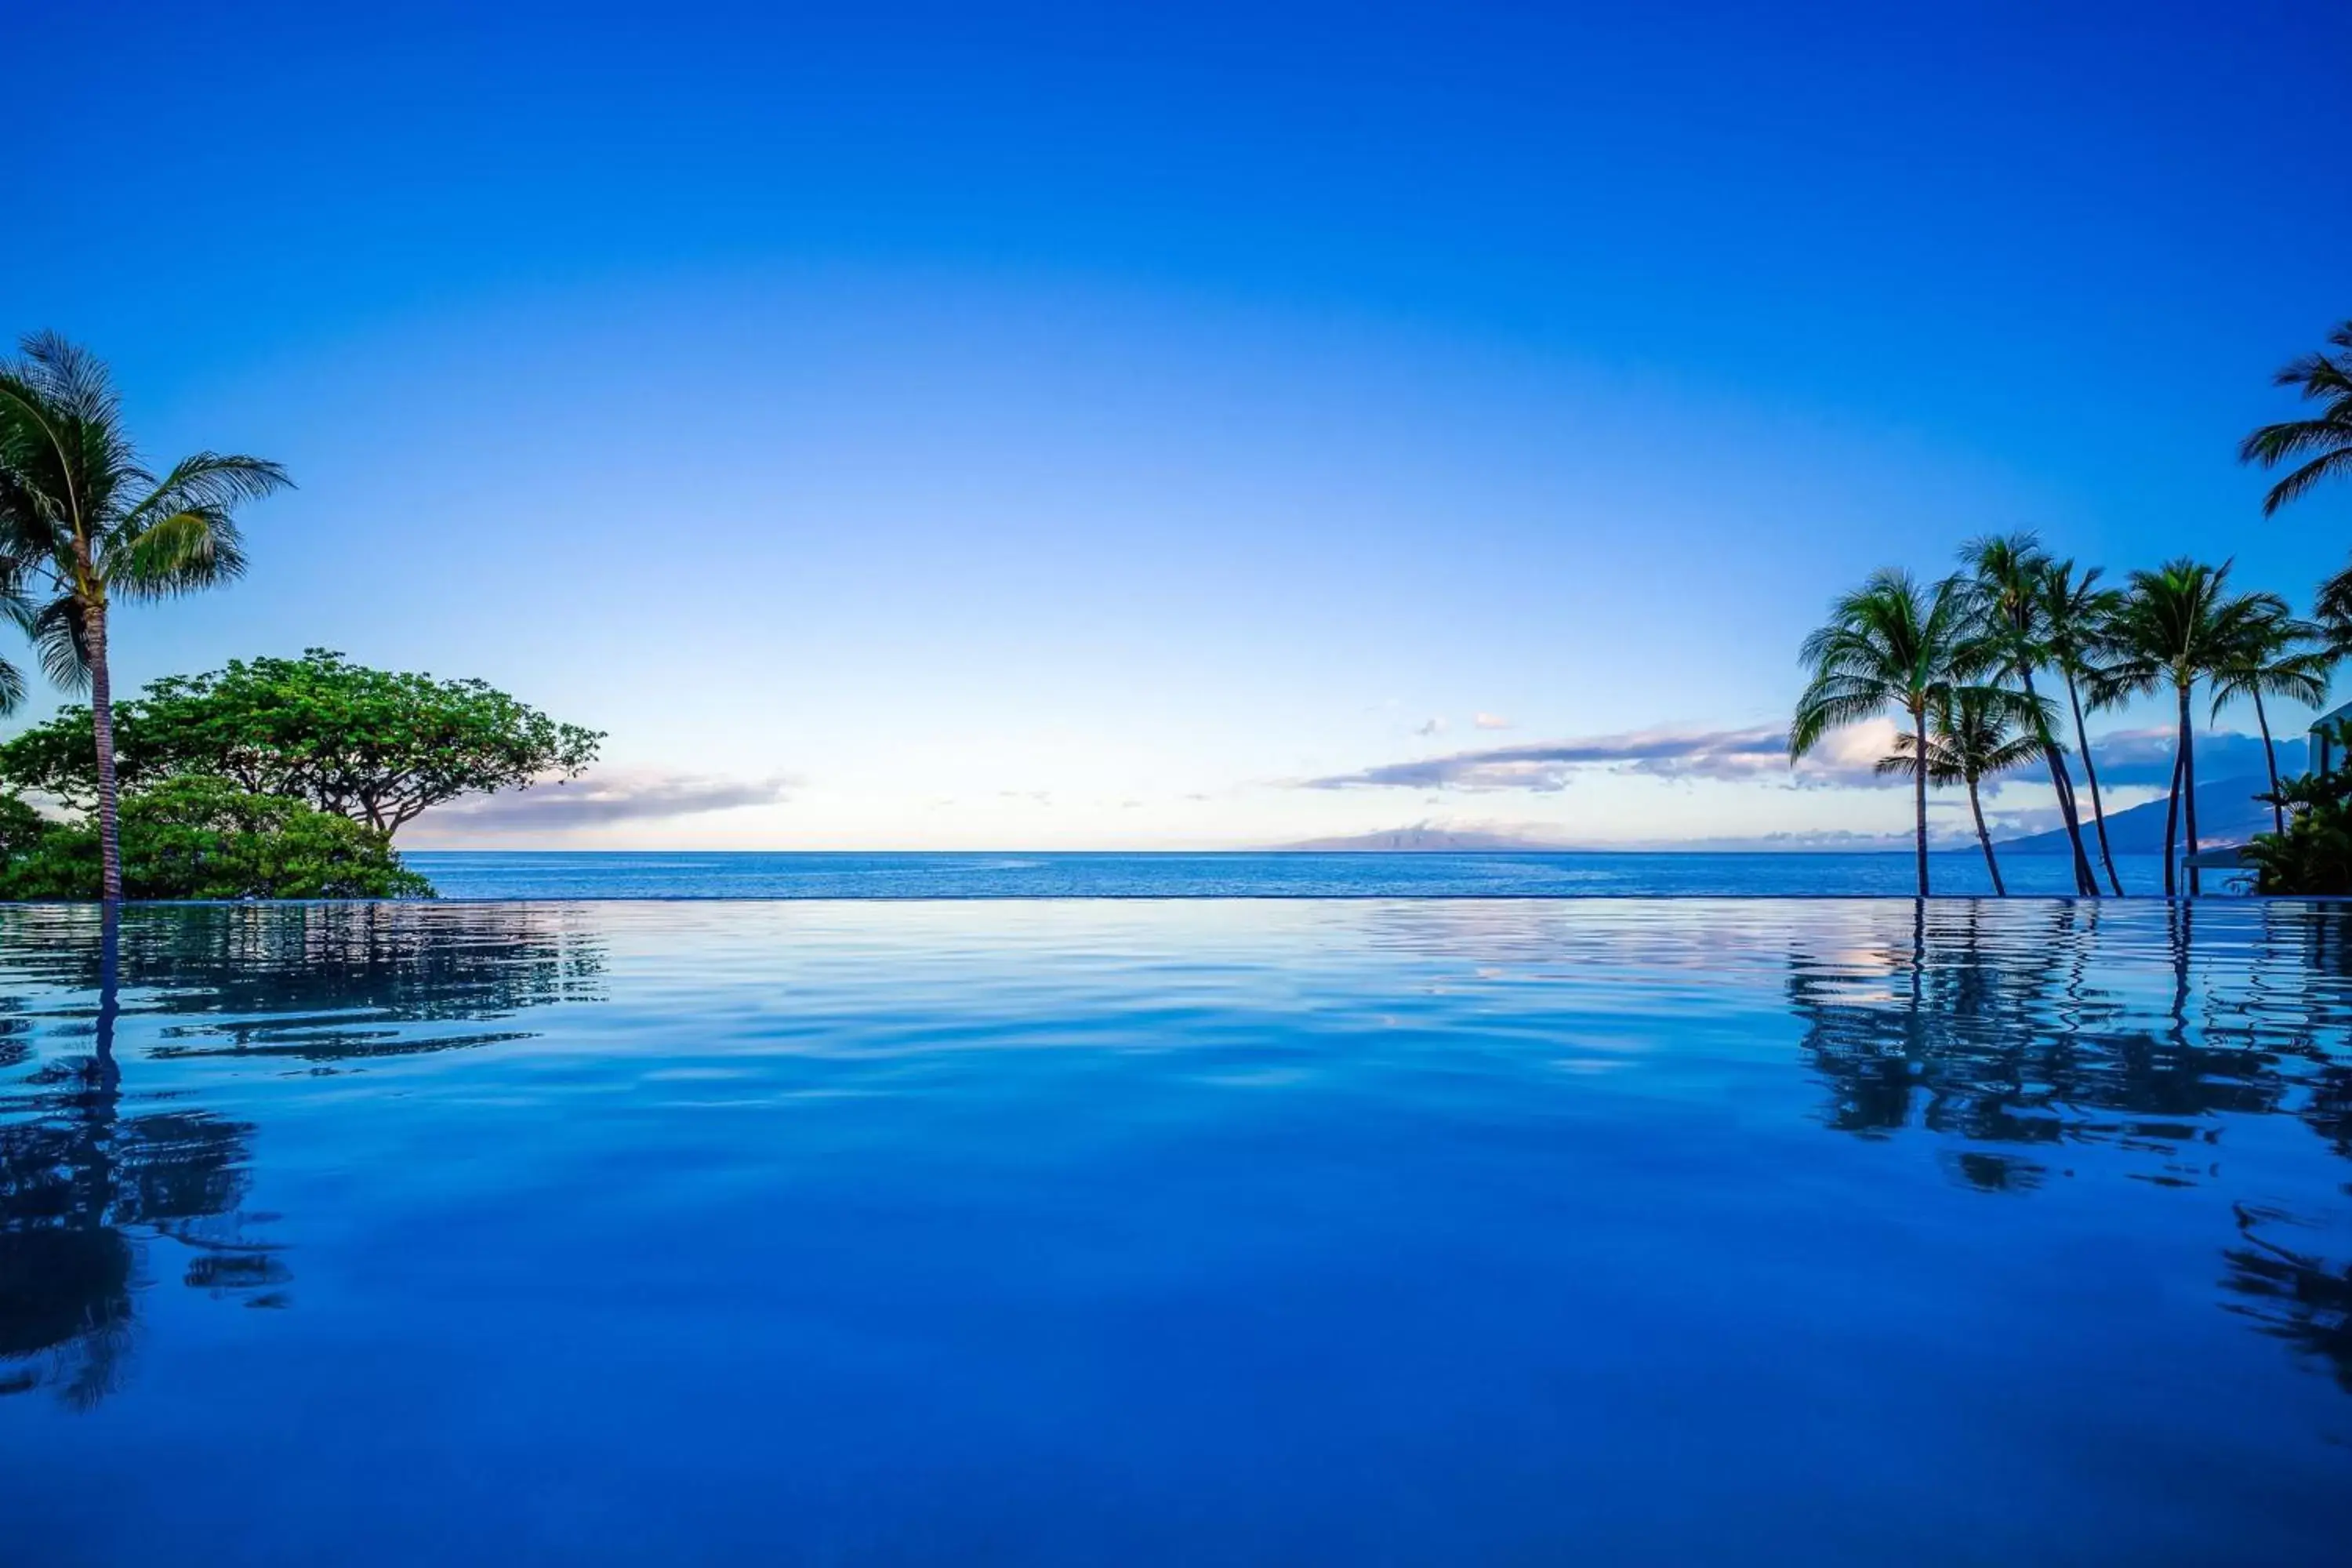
(2314, 856)
(196, 837)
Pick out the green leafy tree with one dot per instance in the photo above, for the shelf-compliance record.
(1979, 732)
(198, 837)
(1890, 646)
(2178, 625)
(2074, 615)
(2007, 598)
(81, 517)
(2321, 442)
(2281, 656)
(373, 745)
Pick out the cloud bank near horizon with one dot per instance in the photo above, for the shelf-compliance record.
(1846, 759)
(1760, 752)
(600, 799)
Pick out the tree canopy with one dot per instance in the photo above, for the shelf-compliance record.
(376, 746)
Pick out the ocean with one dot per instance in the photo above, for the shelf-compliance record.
(484, 874)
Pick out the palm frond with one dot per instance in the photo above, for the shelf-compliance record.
(2322, 378)
(205, 482)
(58, 630)
(178, 554)
(2327, 464)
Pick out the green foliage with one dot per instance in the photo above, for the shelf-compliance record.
(2323, 442)
(2312, 856)
(373, 745)
(83, 516)
(200, 837)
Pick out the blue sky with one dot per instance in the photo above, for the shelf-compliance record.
(1059, 429)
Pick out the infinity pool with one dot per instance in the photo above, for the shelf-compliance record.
(1176, 1232)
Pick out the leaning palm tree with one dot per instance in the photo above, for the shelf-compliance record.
(2281, 656)
(2177, 626)
(2324, 442)
(2074, 614)
(2011, 636)
(1890, 645)
(1980, 732)
(85, 522)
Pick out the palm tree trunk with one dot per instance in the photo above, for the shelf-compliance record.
(101, 723)
(2189, 792)
(2172, 819)
(2091, 772)
(2270, 756)
(1991, 865)
(2086, 882)
(1919, 791)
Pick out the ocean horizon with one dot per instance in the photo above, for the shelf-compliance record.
(566, 874)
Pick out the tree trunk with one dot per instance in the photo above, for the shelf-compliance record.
(1991, 865)
(2086, 882)
(2091, 772)
(2171, 820)
(101, 723)
(2189, 792)
(1919, 790)
(2270, 756)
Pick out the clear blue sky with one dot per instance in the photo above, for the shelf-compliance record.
(1081, 427)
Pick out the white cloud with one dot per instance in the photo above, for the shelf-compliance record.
(613, 795)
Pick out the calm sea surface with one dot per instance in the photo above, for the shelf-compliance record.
(1188, 1232)
(467, 874)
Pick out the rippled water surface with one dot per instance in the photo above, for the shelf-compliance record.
(1176, 1232)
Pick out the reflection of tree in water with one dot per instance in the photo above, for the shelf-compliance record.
(86, 1190)
(1988, 1029)
(1992, 1033)
(326, 981)
(2291, 1295)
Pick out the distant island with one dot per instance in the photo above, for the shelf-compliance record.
(2228, 811)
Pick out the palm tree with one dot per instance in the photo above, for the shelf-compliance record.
(2323, 441)
(2177, 626)
(1888, 645)
(2332, 609)
(2074, 614)
(1980, 732)
(2281, 656)
(2011, 636)
(82, 518)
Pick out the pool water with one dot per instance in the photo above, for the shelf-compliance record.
(1413, 1231)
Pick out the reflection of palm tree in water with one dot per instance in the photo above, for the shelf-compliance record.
(2001, 1041)
(1993, 1035)
(82, 1191)
(85, 1191)
(2292, 1296)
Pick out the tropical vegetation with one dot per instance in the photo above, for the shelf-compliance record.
(1979, 732)
(1962, 660)
(198, 838)
(374, 746)
(267, 778)
(1893, 645)
(2311, 851)
(85, 524)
